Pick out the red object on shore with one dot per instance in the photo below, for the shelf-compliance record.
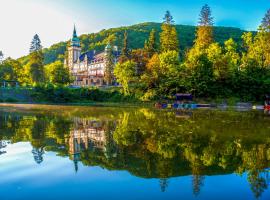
(267, 107)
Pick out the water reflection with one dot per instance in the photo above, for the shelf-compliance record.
(2, 147)
(148, 143)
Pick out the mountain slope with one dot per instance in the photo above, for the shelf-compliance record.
(137, 35)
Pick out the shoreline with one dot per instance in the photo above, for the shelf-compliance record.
(94, 104)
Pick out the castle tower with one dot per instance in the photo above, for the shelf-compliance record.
(74, 50)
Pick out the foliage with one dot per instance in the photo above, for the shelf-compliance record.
(36, 67)
(266, 21)
(57, 73)
(204, 35)
(125, 53)
(210, 61)
(1, 57)
(125, 74)
(61, 94)
(150, 45)
(168, 36)
(137, 34)
(11, 70)
(109, 65)
(35, 44)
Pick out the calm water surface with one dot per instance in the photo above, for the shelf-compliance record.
(55, 152)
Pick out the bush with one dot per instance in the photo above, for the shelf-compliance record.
(11, 100)
(61, 94)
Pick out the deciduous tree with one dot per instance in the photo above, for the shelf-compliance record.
(125, 74)
(57, 73)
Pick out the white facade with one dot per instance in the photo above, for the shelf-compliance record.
(88, 69)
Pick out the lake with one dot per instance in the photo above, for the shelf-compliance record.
(67, 152)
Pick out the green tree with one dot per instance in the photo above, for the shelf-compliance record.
(202, 77)
(257, 48)
(215, 55)
(125, 74)
(168, 37)
(204, 35)
(232, 54)
(35, 44)
(266, 21)
(1, 57)
(109, 66)
(151, 44)
(57, 73)
(162, 74)
(11, 70)
(35, 65)
(125, 53)
(6, 72)
(169, 72)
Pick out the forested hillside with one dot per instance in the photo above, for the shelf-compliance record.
(137, 35)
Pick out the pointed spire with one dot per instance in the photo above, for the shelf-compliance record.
(74, 32)
(75, 41)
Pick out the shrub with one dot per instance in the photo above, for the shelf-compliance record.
(11, 100)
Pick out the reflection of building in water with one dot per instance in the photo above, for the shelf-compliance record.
(86, 134)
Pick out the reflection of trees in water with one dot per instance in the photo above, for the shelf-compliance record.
(156, 144)
(197, 183)
(39, 128)
(38, 154)
(164, 183)
(258, 182)
(2, 147)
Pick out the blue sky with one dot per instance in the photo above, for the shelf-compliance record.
(53, 19)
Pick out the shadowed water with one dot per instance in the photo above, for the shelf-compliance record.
(56, 152)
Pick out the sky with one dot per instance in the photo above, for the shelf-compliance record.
(53, 20)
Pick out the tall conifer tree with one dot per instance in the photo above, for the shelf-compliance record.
(36, 67)
(266, 21)
(1, 57)
(204, 35)
(35, 44)
(168, 36)
(151, 45)
(109, 67)
(125, 54)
